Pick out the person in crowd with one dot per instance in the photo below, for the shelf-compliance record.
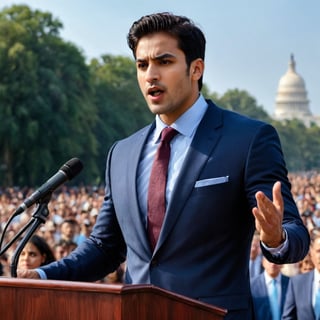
(49, 233)
(303, 295)
(306, 264)
(268, 292)
(255, 263)
(36, 253)
(68, 230)
(63, 248)
(188, 229)
(85, 230)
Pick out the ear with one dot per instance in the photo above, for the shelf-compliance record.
(196, 69)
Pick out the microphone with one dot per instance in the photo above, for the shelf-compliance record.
(69, 170)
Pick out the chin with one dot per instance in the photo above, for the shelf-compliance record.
(155, 109)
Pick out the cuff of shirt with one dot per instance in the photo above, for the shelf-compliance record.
(283, 248)
(42, 274)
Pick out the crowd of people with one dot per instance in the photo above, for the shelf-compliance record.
(72, 213)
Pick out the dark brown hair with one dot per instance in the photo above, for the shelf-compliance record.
(43, 247)
(191, 39)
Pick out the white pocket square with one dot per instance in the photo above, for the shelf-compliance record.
(211, 181)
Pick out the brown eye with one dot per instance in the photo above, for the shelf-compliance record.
(142, 65)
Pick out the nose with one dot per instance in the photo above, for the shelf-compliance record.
(26, 257)
(152, 73)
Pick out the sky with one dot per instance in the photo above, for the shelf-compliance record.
(249, 42)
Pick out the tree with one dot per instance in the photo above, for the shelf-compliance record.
(242, 102)
(45, 109)
(301, 145)
(121, 106)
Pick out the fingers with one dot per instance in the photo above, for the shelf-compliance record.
(30, 274)
(267, 208)
(268, 216)
(277, 196)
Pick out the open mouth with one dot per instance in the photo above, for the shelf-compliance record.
(155, 92)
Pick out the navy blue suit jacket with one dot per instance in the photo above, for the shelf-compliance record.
(203, 248)
(261, 303)
(298, 304)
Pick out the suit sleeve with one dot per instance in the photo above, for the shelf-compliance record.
(100, 254)
(265, 166)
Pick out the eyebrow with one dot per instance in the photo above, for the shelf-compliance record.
(159, 57)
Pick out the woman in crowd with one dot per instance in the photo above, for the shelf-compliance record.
(36, 253)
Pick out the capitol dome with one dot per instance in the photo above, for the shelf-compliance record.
(291, 99)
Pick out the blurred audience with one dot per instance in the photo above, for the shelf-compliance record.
(73, 212)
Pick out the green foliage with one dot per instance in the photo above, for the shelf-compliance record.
(301, 145)
(45, 94)
(121, 106)
(242, 102)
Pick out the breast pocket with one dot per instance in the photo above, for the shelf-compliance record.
(211, 181)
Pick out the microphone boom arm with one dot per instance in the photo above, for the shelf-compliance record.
(38, 218)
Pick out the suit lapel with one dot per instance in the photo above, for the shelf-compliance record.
(204, 141)
(134, 154)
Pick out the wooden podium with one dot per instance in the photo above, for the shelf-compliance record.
(24, 299)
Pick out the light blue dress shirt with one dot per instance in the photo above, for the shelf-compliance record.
(186, 125)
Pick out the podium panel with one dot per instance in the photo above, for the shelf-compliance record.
(26, 299)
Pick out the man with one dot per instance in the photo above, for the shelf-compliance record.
(303, 295)
(224, 170)
(68, 230)
(268, 292)
(306, 264)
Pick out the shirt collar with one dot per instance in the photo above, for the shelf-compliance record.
(269, 279)
(187, 123)
(316, 276)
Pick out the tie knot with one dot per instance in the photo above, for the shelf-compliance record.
(167, 134)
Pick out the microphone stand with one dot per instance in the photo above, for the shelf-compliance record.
(38, 218)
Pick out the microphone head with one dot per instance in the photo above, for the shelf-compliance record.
(72, 167)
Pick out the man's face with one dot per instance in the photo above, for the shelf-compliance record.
(68, 229)
(272, 269)
(30, 257)
(168, 86)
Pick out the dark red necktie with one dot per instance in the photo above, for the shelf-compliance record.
(157, 186)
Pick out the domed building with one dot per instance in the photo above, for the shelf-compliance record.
(291, 100)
